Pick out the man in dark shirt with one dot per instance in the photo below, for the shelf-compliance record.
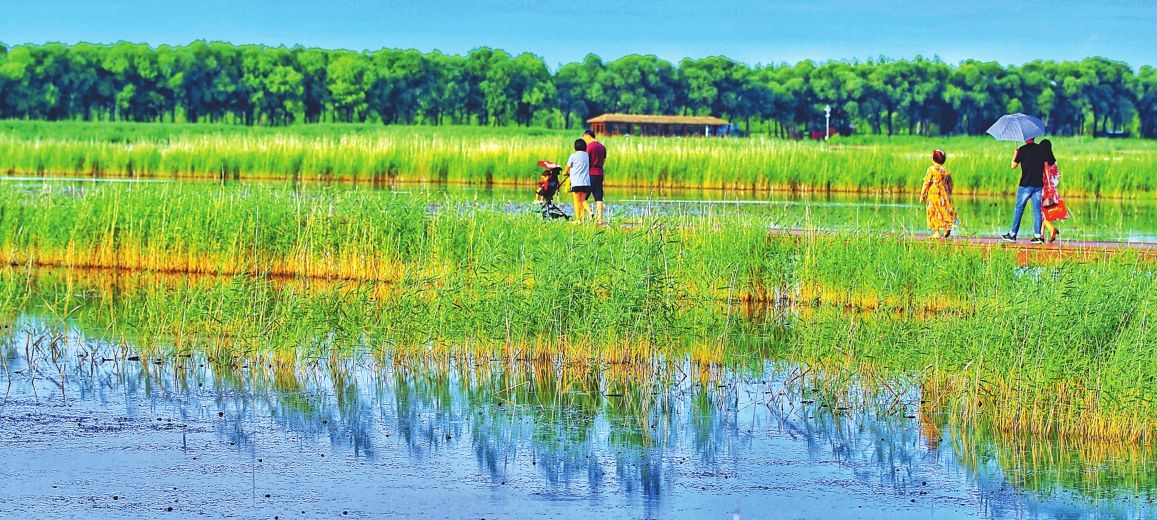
(1031, 160)
(598, 155)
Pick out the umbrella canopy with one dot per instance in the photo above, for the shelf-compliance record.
(1017, 127)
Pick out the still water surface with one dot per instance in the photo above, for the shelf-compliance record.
(88, 431)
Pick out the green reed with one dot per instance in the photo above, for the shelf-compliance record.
(1059, 348)
(484, 156)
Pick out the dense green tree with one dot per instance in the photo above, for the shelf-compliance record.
(452, 91)
(980, 92)
(315, 96)
(792, 94)
(198, 65)
(6, 86)
(220, 82)
(400, 79)
(476, 74)
(838, 85)
(273, 84)
(529, 86)
(25, 95)
(640, 85)
(571, 83)
(717, 85)
(774, 100)
(1147, 101)
(349, 80)
(1111, 93)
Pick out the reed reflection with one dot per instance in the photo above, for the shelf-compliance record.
(580, 430)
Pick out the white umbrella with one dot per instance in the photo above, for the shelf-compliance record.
(1017, 127)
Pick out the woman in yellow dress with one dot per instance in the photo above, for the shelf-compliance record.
(936, 192)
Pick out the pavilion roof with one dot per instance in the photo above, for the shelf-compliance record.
(657, 120)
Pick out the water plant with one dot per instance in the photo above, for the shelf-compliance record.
(368, 153)
(1060, 348)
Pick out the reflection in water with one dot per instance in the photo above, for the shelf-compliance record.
(670, 432)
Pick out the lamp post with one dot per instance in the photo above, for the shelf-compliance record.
(827, 122)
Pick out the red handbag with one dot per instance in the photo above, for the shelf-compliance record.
(1057, 211)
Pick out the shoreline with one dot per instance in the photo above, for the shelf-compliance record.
(357, 180)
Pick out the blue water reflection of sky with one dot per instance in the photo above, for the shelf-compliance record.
(479, 442)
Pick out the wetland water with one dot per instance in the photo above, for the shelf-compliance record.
(1109, 220)
(97, 434)
(110, 410)
(90, 429)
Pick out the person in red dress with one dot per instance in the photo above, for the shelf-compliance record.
(1052, 207)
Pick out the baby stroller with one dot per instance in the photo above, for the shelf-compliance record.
(548, 186)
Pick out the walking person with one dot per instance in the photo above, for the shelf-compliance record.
(937, 193)
(1052, 207)
(1030, 157)
(598, 156)
(578, 166)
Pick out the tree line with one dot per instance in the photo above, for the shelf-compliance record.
(250, 84)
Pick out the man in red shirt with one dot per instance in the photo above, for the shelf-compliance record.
(598, 155)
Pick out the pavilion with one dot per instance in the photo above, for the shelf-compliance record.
(632, 124)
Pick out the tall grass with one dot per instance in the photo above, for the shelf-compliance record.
(1065, 348)
(487, 156)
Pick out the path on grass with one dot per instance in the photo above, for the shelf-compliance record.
(1062, 249)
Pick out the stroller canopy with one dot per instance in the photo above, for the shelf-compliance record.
(548, 165)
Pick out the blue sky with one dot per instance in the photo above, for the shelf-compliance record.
(1011, 32)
